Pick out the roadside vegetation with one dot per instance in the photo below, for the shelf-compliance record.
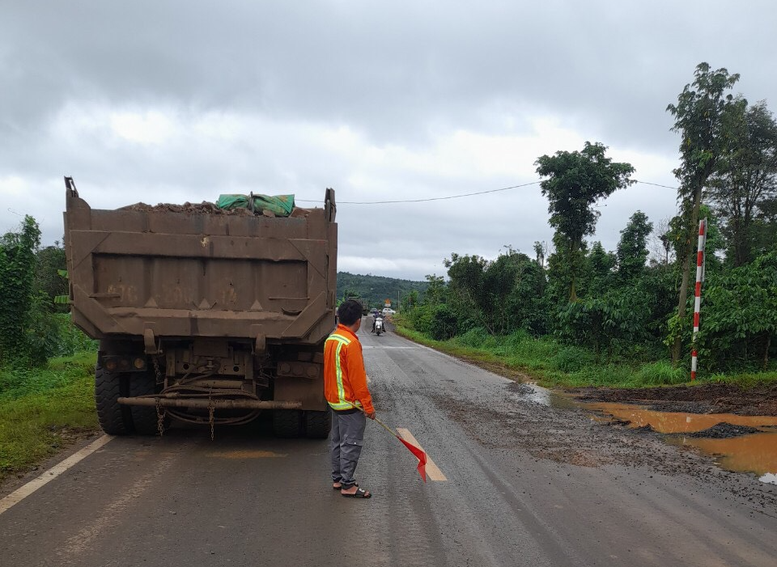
(575, 314)
(44, 409)
(550, 363)
(46, 364)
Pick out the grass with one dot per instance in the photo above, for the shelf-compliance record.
(43, 410)
(551, 364)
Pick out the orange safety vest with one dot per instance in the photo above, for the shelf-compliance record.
(345, 380)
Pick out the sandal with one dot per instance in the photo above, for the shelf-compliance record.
(341, 486)
(360, 493)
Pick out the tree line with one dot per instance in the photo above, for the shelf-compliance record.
(373, 291)
(616, 302)
(33, 326)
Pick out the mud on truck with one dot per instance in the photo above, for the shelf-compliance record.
(204, 314)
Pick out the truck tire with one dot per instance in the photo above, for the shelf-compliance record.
(317, 424)
(287, 423)
(144, 417)
(114, 418)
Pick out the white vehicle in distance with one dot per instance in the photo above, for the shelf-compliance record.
(388, 311)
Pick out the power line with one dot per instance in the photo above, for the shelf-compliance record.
(656, 184)
(432, 198)
(454, 196)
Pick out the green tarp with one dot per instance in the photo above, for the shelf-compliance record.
(279, 205)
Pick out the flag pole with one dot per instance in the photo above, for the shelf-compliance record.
(417, 452)
(386, 427)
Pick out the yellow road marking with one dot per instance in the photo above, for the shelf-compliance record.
(432, 470)
(23, 492)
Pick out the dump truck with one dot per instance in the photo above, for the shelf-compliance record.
(204, 315)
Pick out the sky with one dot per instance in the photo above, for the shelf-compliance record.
(416, 101)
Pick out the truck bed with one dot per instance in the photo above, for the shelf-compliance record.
(164, 274)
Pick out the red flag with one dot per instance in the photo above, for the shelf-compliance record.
(420, 455)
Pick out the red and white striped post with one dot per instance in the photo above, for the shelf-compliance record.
(697, 295)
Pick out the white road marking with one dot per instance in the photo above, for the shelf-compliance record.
(23, 492)
(432, 471)
(368, 378)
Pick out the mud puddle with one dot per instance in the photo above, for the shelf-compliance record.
(678, 422)
(737, 443)
(755, 453)
(542, 396)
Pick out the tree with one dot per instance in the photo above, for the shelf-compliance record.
(465, 289)
(501, 296)
(660, 243)
(434, 317)
(599, 267)
(764, 228)
(540, 252)
(410, 301)
(632, 248)
(436, 290)
(739, 314)
(747, 176)
(575, 182)
(49, 280)
(701, 118)
(17, 279)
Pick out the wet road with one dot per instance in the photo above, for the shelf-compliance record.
(250, 499)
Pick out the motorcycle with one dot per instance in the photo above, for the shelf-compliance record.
(378, 326)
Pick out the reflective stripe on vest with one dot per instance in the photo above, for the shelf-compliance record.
(342, 404)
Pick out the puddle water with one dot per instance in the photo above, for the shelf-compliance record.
(669, 422)
(545, 397)
(754, 453)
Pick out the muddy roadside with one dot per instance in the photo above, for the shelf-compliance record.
(702, 398)
(726, 432)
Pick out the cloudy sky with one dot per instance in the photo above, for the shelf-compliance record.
(175, 101)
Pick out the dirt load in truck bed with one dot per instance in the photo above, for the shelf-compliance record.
(204, 208)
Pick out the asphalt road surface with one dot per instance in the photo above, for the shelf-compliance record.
(517, 482)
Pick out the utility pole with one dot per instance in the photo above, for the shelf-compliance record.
(700, 263)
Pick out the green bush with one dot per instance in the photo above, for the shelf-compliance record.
(572, 359)
(19, 381)
(71, 339)
(475, 338)
(660, 373)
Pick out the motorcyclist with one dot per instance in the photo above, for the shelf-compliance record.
(375, 317)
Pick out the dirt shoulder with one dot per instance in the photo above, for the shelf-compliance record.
(704, 398)
(701, 398)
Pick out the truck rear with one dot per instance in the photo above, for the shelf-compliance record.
(204, 315)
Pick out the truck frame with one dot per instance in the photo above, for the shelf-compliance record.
(204, 316)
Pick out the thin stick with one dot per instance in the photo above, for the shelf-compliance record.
(386, 427)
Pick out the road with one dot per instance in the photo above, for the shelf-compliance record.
(525, 483)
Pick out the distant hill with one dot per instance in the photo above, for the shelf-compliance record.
(376, 289)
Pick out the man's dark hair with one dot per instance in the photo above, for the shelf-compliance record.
(349, 312)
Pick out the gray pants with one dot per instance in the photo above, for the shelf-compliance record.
(345, 445)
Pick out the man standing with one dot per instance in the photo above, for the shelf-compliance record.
(345, 387)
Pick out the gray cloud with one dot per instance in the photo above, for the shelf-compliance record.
(366, 97)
